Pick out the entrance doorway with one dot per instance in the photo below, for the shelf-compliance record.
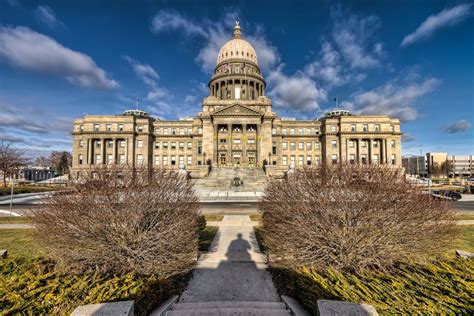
(222, 161)
(251, 161)
(237, 159)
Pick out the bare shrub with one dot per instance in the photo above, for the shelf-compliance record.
(352, 217)
(121, 220)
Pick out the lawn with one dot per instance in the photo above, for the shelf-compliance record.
(465, 240)
(25, 189)
(213, 217)
(465, 216)
(15, 220)
(19, 242)
(206, 236)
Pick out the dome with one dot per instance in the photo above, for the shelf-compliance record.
(237, 48)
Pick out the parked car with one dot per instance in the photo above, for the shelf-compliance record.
(447, 194)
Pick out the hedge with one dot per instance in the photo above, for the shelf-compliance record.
(31, 286)
(444, 287)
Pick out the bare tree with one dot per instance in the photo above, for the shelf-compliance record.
(436, 169)
(121, 220)
(352, 217)
(12, 159)
(447, 168)
(43, 161)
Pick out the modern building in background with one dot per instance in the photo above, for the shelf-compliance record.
(236, 128)
(439, 164)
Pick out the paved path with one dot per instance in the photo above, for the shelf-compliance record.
(16, 226)
(234, 269)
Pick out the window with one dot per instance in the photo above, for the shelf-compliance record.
(165, 160)
(122, 159)
(181, 131)
(292, 131)
(190, 160)
(351, 143)
(334, 158)
(352, 158)
(110, 159)
(108, 127)
(284, 145)
(309, 145)
(365, 128)
(333, 128)
(274, 131)
(283, 131)
(139, 159)
(317, 160)
(96, 127)
(190, 131)
(97, 144)
(120, 127)
(308, 131)
(122, 143)
(181, 160)
(173, 131)
(363, 143)
(81, 128)
(377, 127)
(274, 148)
(301, 160)
(200, 130)
(285, 160)
(181, 145)
(251, 141)
(300, 131)
(308, 160)
(157, 145)
(173, 160)
(393, 160)
(190, 145)
(157, 160)
(376, 144)
(139, 143)
(157, 131)
(98, 159)
(334, 144)
(392, 128)
(392, 142)
(199, 149)
(375, 158)
(316, 145)
(236, 141)
(81, 143)
(173, 145)
(292, 146)
(79, 158)
(301, 145)
(165, 145)
(222, 140)
(165, 131)
(140, 129)
(353, 128)
(292, 160)
(110, 143)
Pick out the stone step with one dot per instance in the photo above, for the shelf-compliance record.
(229, 311)
(230, 304)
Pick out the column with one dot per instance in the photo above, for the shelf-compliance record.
(232, 91)
(257, 145)
(244, 144)
(370, 150)
(215, 136)
(88, 151)
(347, 149)
(229, 147)
(359, 159)
(382, 151)
(102, 143)
(114, 150)
(247, 90)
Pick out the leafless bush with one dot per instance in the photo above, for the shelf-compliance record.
(119, 220)
(352, 217)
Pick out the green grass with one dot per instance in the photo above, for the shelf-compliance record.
(19, 242)
(206, 236)
(465, 241)
(464, 216)
(256, 217)
(15, 220)
(213, 217)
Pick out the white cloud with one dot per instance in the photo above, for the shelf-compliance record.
(407, 137)
(296, 93)
(170, 20)
(213, 35)
(46, 15)
(447, 17)
(26, 49)
(150, 77)
(457, 127)
(352, 36)
(392, 99)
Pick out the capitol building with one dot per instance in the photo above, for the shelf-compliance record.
(236, 128)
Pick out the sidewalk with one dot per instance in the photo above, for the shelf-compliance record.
(234, 269)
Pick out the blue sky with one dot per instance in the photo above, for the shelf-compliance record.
(414, 60)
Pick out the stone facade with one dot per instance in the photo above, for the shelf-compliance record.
(236, 128)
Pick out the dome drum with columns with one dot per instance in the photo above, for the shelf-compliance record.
(236, 128)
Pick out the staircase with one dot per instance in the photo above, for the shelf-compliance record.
(228, 308)
(220, 179)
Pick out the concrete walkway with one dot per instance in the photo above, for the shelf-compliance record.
(234, 269)
(16, 226)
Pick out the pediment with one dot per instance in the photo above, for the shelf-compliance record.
(237, 110)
